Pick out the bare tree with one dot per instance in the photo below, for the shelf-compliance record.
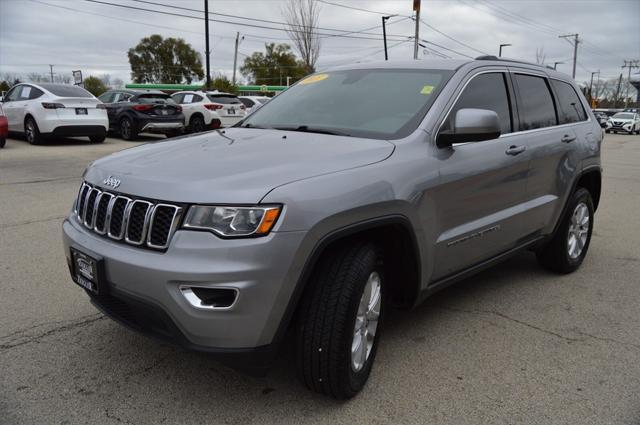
(302, 19)
(117, 83)
(540, 56)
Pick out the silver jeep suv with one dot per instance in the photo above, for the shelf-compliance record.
(359, 189)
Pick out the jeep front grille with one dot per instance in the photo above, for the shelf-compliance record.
(134, 221)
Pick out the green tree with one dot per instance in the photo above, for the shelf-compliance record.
(4, 86)
(95, 86)
(274, 66)
(170, 61)
(221, 83)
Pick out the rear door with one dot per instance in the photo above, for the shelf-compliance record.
(549, 133)
(12, 108)
(483, 184)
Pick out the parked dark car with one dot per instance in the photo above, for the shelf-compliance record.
(4, 128)
(142, 111)
(602, 118)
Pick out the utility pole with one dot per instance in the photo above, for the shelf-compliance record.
(555, 65)
(629, 64)
(416, 8)
(591, 86)
(206, 35)
(615, 98)
(575, 51)
(235, 59)
(51, 71)
(384, 36)
(500, 51)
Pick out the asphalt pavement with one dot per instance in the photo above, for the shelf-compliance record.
(512, 345)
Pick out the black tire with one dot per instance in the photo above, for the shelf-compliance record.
(328, 317)
(32, 132)
(173, 133)
(98, 138)
(607, 131)
(555, 255)
(128, 130)
(196, 124)
(3, 141)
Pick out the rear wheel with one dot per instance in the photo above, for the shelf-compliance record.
(98, 138)
(32, 132)
(127, 129)
(3, 141)
(339, 328)
(566, 251)
(607, 131)
(197, 124)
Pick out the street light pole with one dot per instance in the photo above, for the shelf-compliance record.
(206, 35)
(500, 51)
(384, 36)
(416, 8)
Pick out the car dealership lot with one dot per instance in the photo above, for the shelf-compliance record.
(514, 344)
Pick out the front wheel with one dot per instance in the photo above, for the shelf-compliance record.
(98, 138)
(339, 328)
(566, 251)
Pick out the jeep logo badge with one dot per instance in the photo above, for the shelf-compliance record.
(111, 182)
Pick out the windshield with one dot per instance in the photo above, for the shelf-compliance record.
(374, 103)
(623, 116)
(64, 90)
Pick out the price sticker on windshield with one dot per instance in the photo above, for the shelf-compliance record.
(314, 79)
(426, 89)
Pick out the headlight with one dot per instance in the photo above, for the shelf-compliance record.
(230, 221)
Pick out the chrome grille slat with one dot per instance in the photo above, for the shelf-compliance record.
(175, 219)
(136, 222)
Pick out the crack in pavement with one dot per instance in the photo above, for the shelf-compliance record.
(23, 339)
(22, 223)
(520, 322)
(56, 179)
(546, 331)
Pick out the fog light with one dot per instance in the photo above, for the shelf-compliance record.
(209, 298)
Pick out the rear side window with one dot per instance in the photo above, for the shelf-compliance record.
(485, 91)
(35, 93)
(571, 109)
(536, 107)
(106, 97)
(225, 100)
(247, 102)
(64, 90)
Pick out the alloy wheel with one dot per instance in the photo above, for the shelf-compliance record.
(366, 325)
(578, 230)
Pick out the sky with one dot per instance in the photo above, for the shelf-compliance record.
(94, 37)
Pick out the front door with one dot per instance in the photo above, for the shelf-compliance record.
(483, 184)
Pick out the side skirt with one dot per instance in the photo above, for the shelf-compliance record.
(476, 268)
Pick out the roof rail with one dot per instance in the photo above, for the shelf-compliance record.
(495, 58)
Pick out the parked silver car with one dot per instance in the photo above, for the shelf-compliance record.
(362, 188)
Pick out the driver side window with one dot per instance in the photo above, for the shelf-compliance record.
(485, 91)
(14, 93)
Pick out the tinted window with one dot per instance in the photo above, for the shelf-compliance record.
(153, 98)
(106, 97)
(14, 93)
(64, 90)
(485, 91)
(35, 93)
(197, 98)
(536, 108)
(177, 97)
(374, 103)
(247, 102)
(571, 109)
(225, 100)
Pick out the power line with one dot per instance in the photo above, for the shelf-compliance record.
(230, 22)
(446, 48)
(361, 9)
(453, 39)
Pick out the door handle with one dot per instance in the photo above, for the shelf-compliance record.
(568, 138)
(515, 150)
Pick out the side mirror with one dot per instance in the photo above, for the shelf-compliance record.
(471, 125)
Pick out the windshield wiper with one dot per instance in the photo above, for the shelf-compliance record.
(307, 129)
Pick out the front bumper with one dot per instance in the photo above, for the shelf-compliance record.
(147, 283)
(161, 127)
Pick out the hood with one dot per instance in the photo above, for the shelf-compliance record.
(237, 166)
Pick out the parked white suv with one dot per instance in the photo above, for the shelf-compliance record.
(228, 106)
(61, 110)
(628, 122)
(200, 113)
(253, 103)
